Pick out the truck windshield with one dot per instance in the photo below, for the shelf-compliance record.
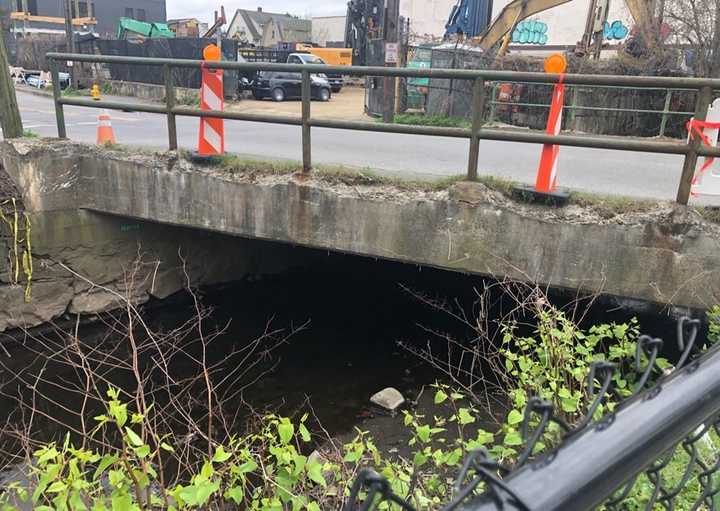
(312, 59)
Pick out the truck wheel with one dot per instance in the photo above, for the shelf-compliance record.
(278, 94)
(324, 94)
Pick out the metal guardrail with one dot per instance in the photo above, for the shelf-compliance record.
(601, 463)
(573, 108)
(692, 150)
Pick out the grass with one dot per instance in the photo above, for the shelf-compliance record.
(30, 134)
(609, 206)
(332, 174)
(441, 121)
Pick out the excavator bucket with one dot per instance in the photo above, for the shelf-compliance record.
(510, 16)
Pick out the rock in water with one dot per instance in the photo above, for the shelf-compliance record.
(390, 399)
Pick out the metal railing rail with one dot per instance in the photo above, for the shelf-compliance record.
(589, 468)
(573, 107)
(692, 150)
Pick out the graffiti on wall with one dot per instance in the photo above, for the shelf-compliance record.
(530, 32)
(615, 31)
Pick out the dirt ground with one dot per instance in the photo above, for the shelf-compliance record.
(348, 104)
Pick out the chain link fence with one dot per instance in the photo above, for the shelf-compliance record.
(659, 449)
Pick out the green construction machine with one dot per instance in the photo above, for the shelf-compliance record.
(144, 29)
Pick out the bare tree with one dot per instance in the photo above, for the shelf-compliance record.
(696, 25)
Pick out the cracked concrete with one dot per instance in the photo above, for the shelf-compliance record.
(659, 253)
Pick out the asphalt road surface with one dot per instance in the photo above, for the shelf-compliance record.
(593, 170)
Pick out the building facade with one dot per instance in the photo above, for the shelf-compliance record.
(106, 12)
(329, 31)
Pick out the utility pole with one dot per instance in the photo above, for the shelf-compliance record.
(392, 37)
(10, 120)
(70, 38)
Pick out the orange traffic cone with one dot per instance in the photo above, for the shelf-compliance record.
(105, 133)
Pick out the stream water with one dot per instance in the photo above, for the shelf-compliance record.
(354, 311)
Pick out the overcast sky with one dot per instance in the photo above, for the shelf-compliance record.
(204, 10)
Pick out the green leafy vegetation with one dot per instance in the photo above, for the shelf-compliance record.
(30, 134)
(272, 467)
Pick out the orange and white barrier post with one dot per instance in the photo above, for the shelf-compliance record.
(211, 141)
(707, 177)
(105, 133)
(546, 183)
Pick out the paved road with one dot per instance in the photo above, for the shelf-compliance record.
(594, 170)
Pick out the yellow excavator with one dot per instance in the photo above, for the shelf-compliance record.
(504, 24)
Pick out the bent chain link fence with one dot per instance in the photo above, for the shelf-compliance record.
(604, 463)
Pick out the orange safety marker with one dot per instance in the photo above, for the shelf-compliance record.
(105, 133)
(545, 189)
(706, 179)
(547, 171)
(211, 141)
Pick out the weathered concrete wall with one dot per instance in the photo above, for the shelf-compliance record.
(667, 255)
(73, 248)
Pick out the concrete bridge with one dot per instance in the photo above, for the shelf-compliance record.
(95, 210)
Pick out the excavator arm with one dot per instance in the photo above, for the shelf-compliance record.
(510, 16)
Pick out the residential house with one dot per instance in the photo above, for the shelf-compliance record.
(260, 28)
(185, 27)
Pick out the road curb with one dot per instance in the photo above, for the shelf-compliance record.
(34, 91)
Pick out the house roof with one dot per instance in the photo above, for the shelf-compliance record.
(289, 25)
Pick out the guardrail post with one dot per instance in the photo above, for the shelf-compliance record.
(666, 111)
(306, 143)
(59, 112)
(493, 102)
(691, 157)
(478, 109)
(169, 105)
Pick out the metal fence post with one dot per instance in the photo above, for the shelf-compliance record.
(493, 99)
(691, 157)
(59, 112)
(306, 143)
(478, 110)
(666, 110)
(170, 104)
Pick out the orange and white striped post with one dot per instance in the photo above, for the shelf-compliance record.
(211, 141)
(546, 182)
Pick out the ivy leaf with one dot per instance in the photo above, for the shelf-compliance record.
(514, 417)
(304, 433)
(314, 471)
(133, 437)
(513, 438)
(423, 433)
(221, 456)
(312, 506)
(465, 417)
(235, 494)
(286, 430)
(440, 397)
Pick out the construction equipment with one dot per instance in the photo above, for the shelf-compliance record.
(502, 27)
(143, 29)
(469, 18)
(219, 22)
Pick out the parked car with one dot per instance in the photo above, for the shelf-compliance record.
(336, 80)
(280, 86)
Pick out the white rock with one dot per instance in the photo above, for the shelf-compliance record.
(390, 399)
